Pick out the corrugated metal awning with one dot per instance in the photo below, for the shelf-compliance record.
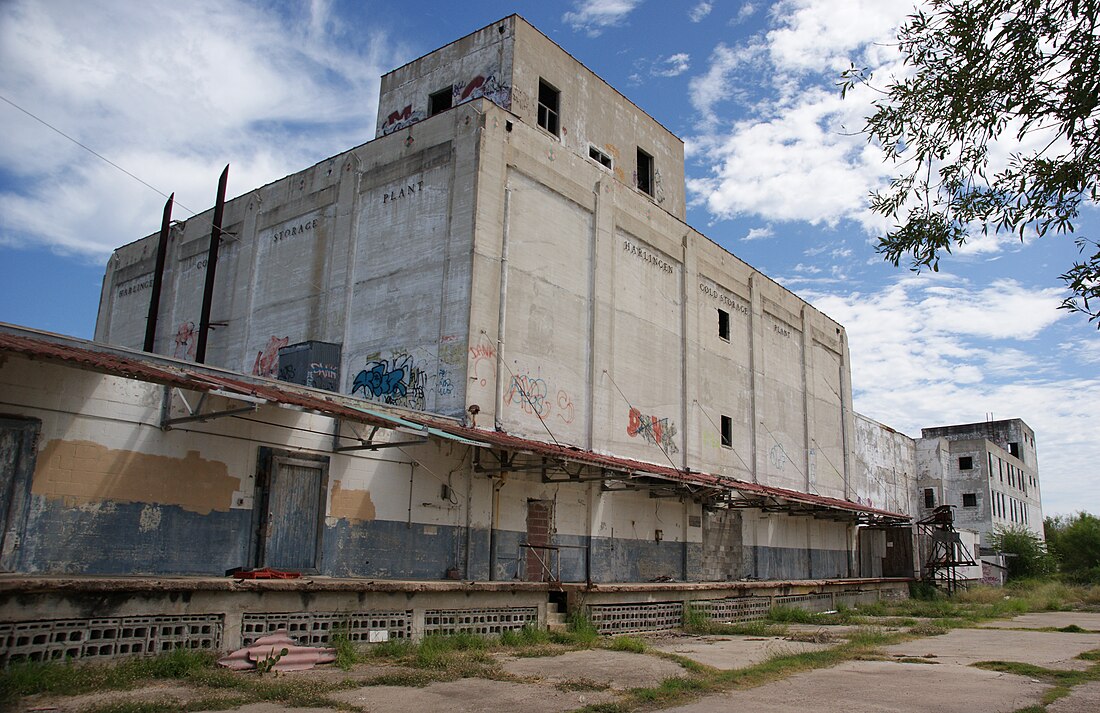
(258, 390)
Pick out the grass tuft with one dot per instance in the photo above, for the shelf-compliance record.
(627, 643)
(527, 636)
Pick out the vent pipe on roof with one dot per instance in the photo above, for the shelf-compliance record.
(211, 267)
(158, 276)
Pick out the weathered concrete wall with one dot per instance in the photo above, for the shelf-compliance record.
(477, 65)
(504, 63)
(611, 340)
(477, 260)
(594, 114)
(779, 546)
(110, 492)
(885, 465)
(369, 249)
(114, 494)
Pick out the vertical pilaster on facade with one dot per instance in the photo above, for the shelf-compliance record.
(593, 343)
(847, 415)
(601, 393)
(339, 278)
(808, 382)
(756, 344)
(689, 340)
(241, 320)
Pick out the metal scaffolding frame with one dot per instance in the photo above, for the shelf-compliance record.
(946, 552)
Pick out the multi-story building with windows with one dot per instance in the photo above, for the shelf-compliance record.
(511, 251)
(988, 471)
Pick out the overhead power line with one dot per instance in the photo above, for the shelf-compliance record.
(92, 151)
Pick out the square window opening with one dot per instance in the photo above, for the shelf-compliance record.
(645, 172)
(966, 463)
(1014, 449)
(549, 102)
(723, 324)
(970, 500)
(440, 101)
(929, 498)
(727, 432)
(599, 157)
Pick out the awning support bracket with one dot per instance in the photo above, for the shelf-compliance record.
(195, 413)
(368, 444)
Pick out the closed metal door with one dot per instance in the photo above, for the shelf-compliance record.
(294, 511)
(17, 456)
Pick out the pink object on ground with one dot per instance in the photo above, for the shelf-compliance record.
(296, 658)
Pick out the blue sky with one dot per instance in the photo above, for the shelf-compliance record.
(173, 90)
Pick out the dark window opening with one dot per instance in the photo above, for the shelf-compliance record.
(645, 172)
(727, 432)
(1014, 449)
(599, 156)
(549, 99)
(929, 498)
(724, 324)
(970, 500)
(440, 101)
(966, 463)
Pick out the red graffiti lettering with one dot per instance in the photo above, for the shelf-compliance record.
(474, 84)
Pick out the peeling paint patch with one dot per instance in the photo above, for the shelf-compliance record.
(149, 519)
(351, 505)
(85, 474)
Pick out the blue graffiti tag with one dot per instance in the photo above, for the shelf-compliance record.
(378, 381)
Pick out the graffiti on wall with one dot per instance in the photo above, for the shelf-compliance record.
(267, 361)
(398, 381)
(401, 119)
(536, 397)
(777, 457)
(482, 361)
(444, 386)
(323, 376)
(529, 393)
(565, 407)
(185, 341)
(483, 85)
(661, 432)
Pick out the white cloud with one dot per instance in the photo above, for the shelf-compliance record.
(931, 349)
(672, 66)
(759, 233)
(796, 164)
(593, 16)
(825, 35)
(715, 85)
(700, 11)
(779, 143)
(158, 91)
(746, 11)
(1085, 350)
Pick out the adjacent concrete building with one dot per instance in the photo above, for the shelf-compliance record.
(989, 471)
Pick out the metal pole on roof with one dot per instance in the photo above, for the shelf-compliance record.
(211, 267)
(158, 276)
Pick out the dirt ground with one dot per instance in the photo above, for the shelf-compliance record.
(932, 674)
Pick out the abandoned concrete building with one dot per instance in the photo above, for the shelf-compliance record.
(482, 351)
(989, 471)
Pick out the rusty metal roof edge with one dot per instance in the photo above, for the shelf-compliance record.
(157, 368)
